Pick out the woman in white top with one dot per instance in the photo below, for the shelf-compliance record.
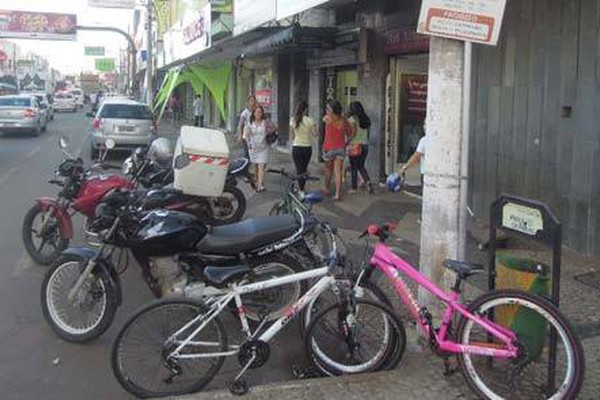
(303, 130)
(255, 133)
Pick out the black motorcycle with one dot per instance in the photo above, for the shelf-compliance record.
(177, 253)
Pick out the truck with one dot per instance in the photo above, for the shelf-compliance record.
(90, 84)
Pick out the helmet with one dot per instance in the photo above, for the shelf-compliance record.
(394, 182)
(161, 151)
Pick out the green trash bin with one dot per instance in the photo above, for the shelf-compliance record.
(530, 276)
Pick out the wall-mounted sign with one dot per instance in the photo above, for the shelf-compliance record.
(405, 41)
(190, 35)
(24, 63)
(287, 8)
(522, 219)
(414, 98)
(222, 6)
(112, 3)
(248, 14)
(3, 56)
(96, 51)
(476, 21)
(22, 24)
(105, 64)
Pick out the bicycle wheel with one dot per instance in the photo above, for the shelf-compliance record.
(350, 340)
(532, 318)
(140, 354)
(365, 291)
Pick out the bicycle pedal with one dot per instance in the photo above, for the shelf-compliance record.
(239, 387)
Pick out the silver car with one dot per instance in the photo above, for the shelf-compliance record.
(129, 123)
(65, 102)
(22, 113)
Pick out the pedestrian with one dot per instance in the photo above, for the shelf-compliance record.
(417, 157)
(337, 133)
(255, 135)
(303, 130)
(358, 149)
(244, 118)
(198, 108)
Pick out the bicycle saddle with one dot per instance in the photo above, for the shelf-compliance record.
(464, 269)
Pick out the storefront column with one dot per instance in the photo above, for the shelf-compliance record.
(283, 97)
(440, 215)
(316, 103)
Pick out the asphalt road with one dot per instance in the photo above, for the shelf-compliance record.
(35, 363)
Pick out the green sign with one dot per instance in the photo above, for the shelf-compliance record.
(25, 63)
(94, 51)
(105, 64)
(222, 6)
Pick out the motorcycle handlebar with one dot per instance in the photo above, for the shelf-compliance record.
(293, 177)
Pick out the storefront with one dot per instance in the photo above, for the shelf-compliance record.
(406, 94)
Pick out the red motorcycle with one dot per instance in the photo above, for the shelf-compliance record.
(47, 227)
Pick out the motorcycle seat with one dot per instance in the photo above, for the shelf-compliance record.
(250, 234)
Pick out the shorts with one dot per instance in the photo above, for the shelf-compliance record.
(331, 155)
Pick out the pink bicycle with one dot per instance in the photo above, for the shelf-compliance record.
(509, 344)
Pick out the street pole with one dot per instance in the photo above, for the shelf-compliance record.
(441, 192)
(149, 61)
(464, 212)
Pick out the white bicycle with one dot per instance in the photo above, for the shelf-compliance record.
(178, 346)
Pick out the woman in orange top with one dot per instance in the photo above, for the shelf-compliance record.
(337, 131)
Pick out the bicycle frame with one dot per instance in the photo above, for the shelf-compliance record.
(234, 293)
(390, 263)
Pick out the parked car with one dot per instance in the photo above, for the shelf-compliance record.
(64, 102)
(129, 123)
(79, 97)
(46, 100)
(22, 113)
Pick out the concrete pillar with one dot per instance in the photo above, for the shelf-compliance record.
(316, 103)
(440, 220)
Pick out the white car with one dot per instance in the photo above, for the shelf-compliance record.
(65, 102)
(79, 97)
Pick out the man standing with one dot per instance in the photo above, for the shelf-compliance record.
(198, 110)
(244, 119)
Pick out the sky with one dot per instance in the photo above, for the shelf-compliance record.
(67, 56)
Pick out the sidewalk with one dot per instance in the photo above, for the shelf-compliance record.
(420, 374)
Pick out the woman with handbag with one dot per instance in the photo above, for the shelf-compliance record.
(358, 149)
(259, 133)
(337, 133)
(303, 130)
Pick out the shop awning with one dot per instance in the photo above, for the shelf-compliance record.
(293, 38)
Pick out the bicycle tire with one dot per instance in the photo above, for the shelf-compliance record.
(322, 359)
(511, 298)
(127, 376)
(371, 292)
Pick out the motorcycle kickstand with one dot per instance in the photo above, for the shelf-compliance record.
(240, 387)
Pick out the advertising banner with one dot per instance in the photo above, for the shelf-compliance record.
(105, 64)
(94, 51)
(476, 21)
(190, 35)
(248, 14)
(222, 6)
(287, 8)
(129, 4)
(28, 25)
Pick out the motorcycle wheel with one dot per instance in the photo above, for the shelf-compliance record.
(53, 237)
(88, 316)
(228, 208)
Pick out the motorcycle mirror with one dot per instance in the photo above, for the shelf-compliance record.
(109, 144)
(63, 142)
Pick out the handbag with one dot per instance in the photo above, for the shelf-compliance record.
(353, 150)
(271, 137)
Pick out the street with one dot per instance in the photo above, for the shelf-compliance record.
(35, 361)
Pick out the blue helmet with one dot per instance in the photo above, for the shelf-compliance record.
(394, 182)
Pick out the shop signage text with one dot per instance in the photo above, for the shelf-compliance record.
(405, 41)
(22, 24)
(190, 35)
(476, 21)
